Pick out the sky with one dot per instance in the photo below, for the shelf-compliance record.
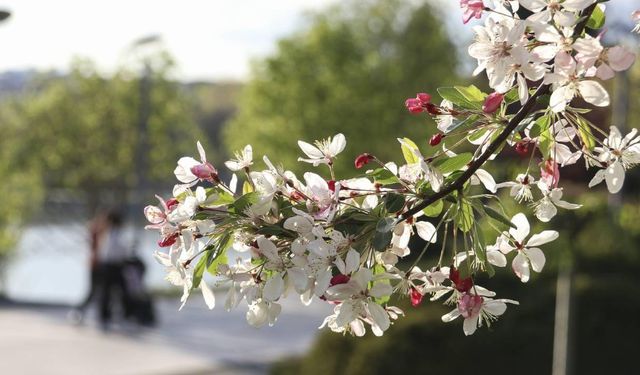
(210, 39)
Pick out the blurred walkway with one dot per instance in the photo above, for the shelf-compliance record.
(39, 340)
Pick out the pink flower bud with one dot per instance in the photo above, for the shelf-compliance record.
(471, 8)
(332, 185)
(362, 160)
(492, 103)
(204, 171)
(413, 105)
(550, 173)
(416, 297)
(423, 98)
(436, 139)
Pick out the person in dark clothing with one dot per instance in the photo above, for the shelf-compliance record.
(96, 227)
(112, 254)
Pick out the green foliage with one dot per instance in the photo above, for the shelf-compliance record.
(84, 127)
(597, 19)
(21, 186)
(80, 131)
(454, 163)
(466, 97)
(348, 72)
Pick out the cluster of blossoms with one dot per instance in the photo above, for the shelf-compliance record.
(348, 241)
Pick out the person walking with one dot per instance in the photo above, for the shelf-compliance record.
(112, 253)
(97, 226)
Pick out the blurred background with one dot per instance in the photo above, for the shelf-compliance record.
(99, 100)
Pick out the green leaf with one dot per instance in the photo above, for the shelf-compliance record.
(246, 187)
(394, 202)
(271, 230)
(597, 19)
(584, 130)
(543, 100)
(479, 244)
(383, 176)
(409, 156)
(382, 240)
(512, 96)
(525, 123)
(545, 139)
(453, 95)
(454, 163)
(216, 261)
(471, 93)
(495, 215)
(434, 209)
(198, 271)
(379, 269)
(476, 134)
(462, 123)
(223, 197)
(464, 218)
(242, 203)
(385, 225)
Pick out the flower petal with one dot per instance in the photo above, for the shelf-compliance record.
(470, 325)
(522, 227)
(593, 92)
(520, 266)
(273, 288)
(312, 151)
(451, 315)
(536, 258)
(614, 176)
(207, 294)
(338, 144)
(426, 231)
(542, 238)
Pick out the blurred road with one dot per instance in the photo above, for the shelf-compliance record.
(40, 340)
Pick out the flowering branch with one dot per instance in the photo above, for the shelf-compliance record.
(340, 240)
(499, 141)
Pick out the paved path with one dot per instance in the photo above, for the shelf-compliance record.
(193, 341)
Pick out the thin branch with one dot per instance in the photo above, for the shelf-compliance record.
(493, 147)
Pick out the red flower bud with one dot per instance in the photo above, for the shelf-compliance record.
(172, 203)
(492, 103)
(416, 297)
(168, 240)
(332, 185)
(424, 98)
(462, 285)
(436, 139)
(413, 105)
(522, 148)
(339, 279)
(362, 160)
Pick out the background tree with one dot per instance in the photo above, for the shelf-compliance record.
(84, 128)
(348, 72)
(21, 186)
